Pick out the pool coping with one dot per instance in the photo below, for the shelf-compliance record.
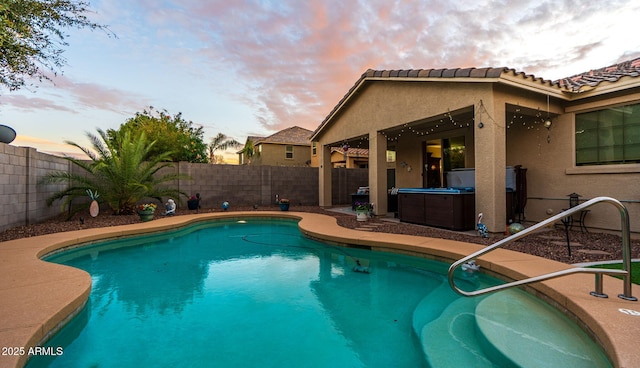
(38, 297)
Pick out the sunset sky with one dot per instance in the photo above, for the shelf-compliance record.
(256, 67)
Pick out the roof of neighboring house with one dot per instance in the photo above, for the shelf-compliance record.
(352, 152)
(592, 78)
(254, 138)
(293, 135)
(251, 138)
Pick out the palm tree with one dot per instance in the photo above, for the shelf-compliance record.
(250, 151)
(221, 142)
(122, 172)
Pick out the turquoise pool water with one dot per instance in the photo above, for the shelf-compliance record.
(258, 293)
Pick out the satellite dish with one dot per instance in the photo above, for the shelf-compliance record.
(7, 134)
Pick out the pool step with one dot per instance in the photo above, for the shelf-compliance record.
(432, 306)
(451, 341)
(506, 330)
(437, 301)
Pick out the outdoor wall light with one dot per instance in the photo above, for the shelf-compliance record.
(480, 125)
(547, 124)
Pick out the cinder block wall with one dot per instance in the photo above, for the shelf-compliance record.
(248, 185)
(345, 182)
(23, 201)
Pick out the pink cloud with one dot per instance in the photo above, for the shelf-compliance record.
(298, 59)
(27, 103)
(94, 95)
(91, 95)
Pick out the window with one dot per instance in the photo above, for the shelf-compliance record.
(391, 156)
(288, 152)
(453, 152)
(609, 136)
(314, 148)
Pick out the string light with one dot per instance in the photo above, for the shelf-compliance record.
(448, 122)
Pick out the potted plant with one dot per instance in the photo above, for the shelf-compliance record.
(362, 210)
(146, 211)
(284, 204)
(194, 202)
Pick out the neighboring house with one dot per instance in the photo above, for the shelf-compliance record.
(354, 158)
(575, 135)
(288, 147)
(249, 152)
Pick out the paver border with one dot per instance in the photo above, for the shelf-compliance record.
(37, 297)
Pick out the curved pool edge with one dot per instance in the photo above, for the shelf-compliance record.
(57, 292)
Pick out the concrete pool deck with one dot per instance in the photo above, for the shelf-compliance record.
(37, 297)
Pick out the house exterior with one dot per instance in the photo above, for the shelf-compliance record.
(580, 134)
(288, 147)
(353, 158)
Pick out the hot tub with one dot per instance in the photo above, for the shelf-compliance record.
(448, 208)
(436, 190)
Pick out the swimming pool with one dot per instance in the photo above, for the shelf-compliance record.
(260, 293)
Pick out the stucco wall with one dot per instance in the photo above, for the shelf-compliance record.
(386, 104)
(275, 155)
(552, 175)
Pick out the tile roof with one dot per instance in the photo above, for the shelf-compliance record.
(352, 152)
(612, 73)
(254, 139)
(592, 78)
(489, 73)
(293, 135)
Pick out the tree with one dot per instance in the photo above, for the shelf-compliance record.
(123, 172)
(250, 151)
(171, 133)
(220, 142)
(31, 37)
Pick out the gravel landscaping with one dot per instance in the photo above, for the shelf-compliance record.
(549, 243)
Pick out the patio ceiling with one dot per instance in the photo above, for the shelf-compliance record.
(452, 121)
(526, 116)
(446, 122)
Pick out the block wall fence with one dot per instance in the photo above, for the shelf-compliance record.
(23, 200)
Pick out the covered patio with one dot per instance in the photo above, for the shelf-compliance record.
(435, 122)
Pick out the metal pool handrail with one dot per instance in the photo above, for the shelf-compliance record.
(626, 255)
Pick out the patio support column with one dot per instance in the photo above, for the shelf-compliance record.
(378, 172)
(490, 165)
(324, 176)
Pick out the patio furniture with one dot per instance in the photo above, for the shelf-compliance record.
(520, 200)
(574, 200)
(567, 221)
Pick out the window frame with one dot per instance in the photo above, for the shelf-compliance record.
(288, 152)
(599, 127)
